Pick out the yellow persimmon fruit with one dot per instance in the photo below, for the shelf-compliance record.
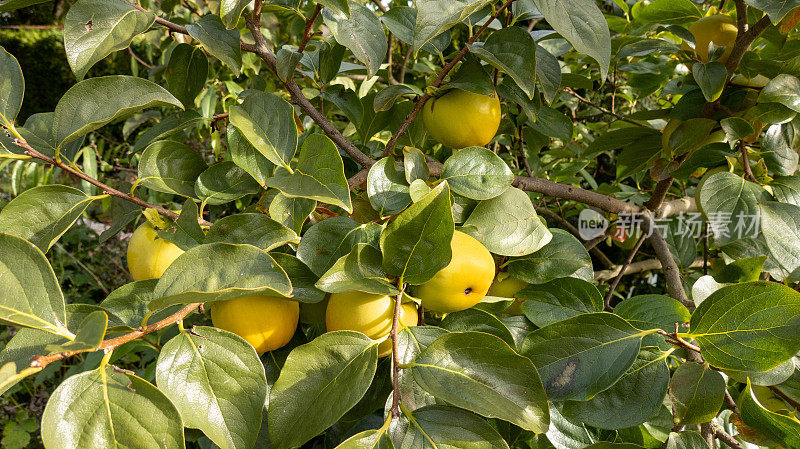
(266, 322)
(149, 255)
(460, 118)
(369, 314)
(507, 287)
(719, 29)
(464, 282)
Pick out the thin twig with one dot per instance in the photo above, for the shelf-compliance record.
(723, 436)
(138, 59)
(671, 271)
(610, 294)
(398, 307)
(309, 25)
(746, 162)
(602, 109)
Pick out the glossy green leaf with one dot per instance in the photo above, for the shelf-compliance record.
(170, 167)
(508, 225)
(385, 99)
(434, 17)
(12, 86)
(697, 393)
(416, 245)
(736, 128)
(319, 174)
(185, 231)
(553, 123)
(634, 399)
(291, 212)
(195, 371)
(548, 73)
(513, 51)
(127, 305)
(11, 5)
(437, 426)
(329, 376)
(686, 439)
(105, 408)
(780, 224)
(93, 29)
(777, 150)
(582, 24)
(711, 77)
(30, 294)
(786, 189)
(325, 242)
(646, 312)
(216, 272)
(171, 125)
(303, 279)
(247, 157)
(558, 300)
(477, 173)
(224, 182)
(267, 122)
(368, 439)
(689, 136)
(477, 320)
(774, 429)
(230, 11)
(89, 335)
(43, 214)
(748, 327)
(563, 256)
(724, 195)
(671, 12)
(221, 42)
(252, 229)
(94, 102)
(358, 270)
(415, 165)
(361, 32)
(387, 187)
(186, 73)
(783, 89)
(38, 132)
(583, 355)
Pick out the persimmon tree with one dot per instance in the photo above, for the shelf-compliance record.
(325, 191)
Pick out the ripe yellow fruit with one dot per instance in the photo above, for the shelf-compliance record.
(148, 255)
(369, 314)
(266, 322)
(507, 288)
(460, 119)
(719, 29)
(464, 282)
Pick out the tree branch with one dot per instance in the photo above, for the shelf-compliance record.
(395, 352)
(723, 436)
(602, 109)
(637, 267)
(309, 25)
(671, 271)
(610, 294)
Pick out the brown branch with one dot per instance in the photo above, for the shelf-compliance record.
(545, 212)
(358, 179)
(402, 76)
(380, 5)
(309, 25)
(628, 260)
(603, 109)
(671, 271)
(730, 402)
(440, 80)
(659, 194)
(708, 434)
(678, 340)
(637, 267)
(748, 171)
(398, 304)
(723, 436)
(110, 344)
(138, 59)
(30, 151)
(785, 397)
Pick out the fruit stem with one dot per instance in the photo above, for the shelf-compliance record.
(396, 352)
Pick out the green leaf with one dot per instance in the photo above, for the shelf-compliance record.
(329, 376)
(89, 335)
(438, 426)
(247, 157)
(93, 29)
(711, 77)
(43, 214)
(38, 132)
(583, 355)
(508, 225)
(31, 295)
(368, 439)
(553, 123)
(653, 312)
(411, 341)
(471, 76)
(689, 136)
(12, 86)
(775, 429)
(217, 272)
(435, 17)
(513, 51)
(385, 99)
(361, 32)
(634, 399)
(416, 245)
(105, 408)
(387, 187)
(291, 212)
(563, 256)
(195, 370)
(736, 128)
(186, 73)
(170, 167)
(774, 9)
(267, 122)
(230, 11)
(415, 165)
(786, 189)
(169, 126)
(319, 174)
(483, 374)
(582, 24)
(726, 196)
(478, 320)
(325, 242)
(11, 5)
(251, 229)
(400, 21)
(185, 231)
(548, 73)
(781, 229)
(777, 150)
(686, 439)
(670, 12)
(359, 270)
(477, 173)
(94, 102)
(697, 393)
(224, 182)
(748, 327)
(303, 279)
(221, 42)
(558, 300)
(783, 89)
(127, 305)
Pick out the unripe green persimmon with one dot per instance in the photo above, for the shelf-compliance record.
(719, 29)
(464, 282)
(148, 255)
(369, 314)
(507, 287)
(460, 119)
(266, 322)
